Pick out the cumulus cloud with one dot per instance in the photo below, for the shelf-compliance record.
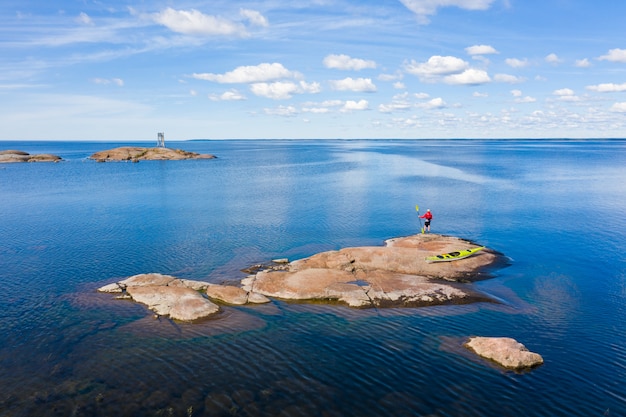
(516, 63)
(563, 92)
(614, 55)
(566, 94)
(282, 90)
(519, 99)
(351, 105)
(250, 74)
(582, 63)
(481, 50)
(345, 62)
(435, 67)
(510, 79)
(425, 8)
(619, 107)
(468, 77)
(194, 22)
(400, 102)
(435, 103)
(478, 94)
(607, 88)
(254, 17)
(349, 84)
(231, 95)
(553, 59)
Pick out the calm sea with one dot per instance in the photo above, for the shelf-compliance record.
(557, 208)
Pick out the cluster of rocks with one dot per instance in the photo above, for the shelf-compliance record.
(137, 153)
(180, 299)
(394, 275)
(9, 156)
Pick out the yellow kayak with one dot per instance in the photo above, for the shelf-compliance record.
(453, 256)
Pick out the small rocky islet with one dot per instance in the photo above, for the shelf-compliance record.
(395, 275)
(12, 156)
(123, 153)
(138, 153)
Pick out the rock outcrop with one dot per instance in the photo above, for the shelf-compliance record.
(9, 156)
(180, 299)
(136, 153)
(395, 275)
(505, 351)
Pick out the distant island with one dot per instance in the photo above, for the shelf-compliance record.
(137, 153)
(11, 155)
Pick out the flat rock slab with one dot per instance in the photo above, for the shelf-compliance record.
(10, 156)
(393, 275)
(180, 299)
(137, 153)
(505, 351)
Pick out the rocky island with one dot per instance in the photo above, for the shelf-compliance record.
(10, 156)
(394, 275)
(138, 153)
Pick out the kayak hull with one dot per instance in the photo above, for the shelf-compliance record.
(454, 256)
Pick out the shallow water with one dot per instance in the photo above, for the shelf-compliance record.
(556, 208)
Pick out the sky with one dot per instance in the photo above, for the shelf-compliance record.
(321, 69)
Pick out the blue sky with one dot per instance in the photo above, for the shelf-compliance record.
(125, 70)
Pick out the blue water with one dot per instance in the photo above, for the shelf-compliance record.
(557, 209)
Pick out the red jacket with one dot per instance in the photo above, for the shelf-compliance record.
(428, 216)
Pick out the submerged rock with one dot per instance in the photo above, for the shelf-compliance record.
(393, 275)
(10, 156)
(136, 153)
(505, 351)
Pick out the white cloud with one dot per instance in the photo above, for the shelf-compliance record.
(278, 90)
(83, 18)
(510, 79)
(399, 85)
(516, 63)
(563, 92)
(421, 96)
(481, 50)
(566, 94)
(614, 55)
(477, 94)
(254, 17)
(316, 110)
(619, 107)
(350, 84)
(526, 99)
(583, 63)
(425, 8)
(345, 62)
(286, 111)
(553, 59)
(607, 88)
(117, 81)
(231, 95)
(468, 77)
(516, 93)
(282, 90)
(391, 77)
(194, 22)
(400, 102)
(435, 103)
(436, 66)
(250, 74)
(351, 105)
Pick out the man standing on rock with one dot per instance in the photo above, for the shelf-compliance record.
(428, 216)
